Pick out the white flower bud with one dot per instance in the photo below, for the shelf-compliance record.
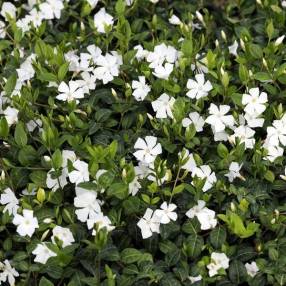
(279, 41)
(223, 35)
(264, 63)
(273, 221)
(242, 44)
(200, 17)
(2, 175)
(232, 206)
(47, 158)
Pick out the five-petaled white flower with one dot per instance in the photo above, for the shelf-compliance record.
(233, 173)
(254, 102)
(102, 20)
(9, 199)
(43, 253)
(251, 268)
(100, 221)
(205, 172)
(80, 172)
(198, 88)
(218, 261)
(141, 89)
(87, 203)
(7, 273)
(163, 106)
(149, 223)
(69, 92)
(26, 223)
(233, 48)
(64, 234)
(148, 149)
(218, 118)
(196, 119)
(166, 213)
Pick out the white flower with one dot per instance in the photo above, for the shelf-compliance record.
(148, 149)
(43, 253)
(283, 177)
(11, 115)
(129, 2)
(51, 9)
(26, 70)
(174, 20)
(219, 260)
(166, 213)
(2, 30)
(251, 268)
(87, 82)
(162, 54)
(92, 3)
(134, 186)
(141, 89)
(163, 106)
(64, 234)
(194, 279)
(233, 48)
(277, 133)
(196, 119)
(254, 102)
(87, 203)
(149, 223)
(191, 213)
(68, 155)
(7, 273)
(94, 52)
(69, 92)
(190, 164)
(108, 67)
(233, 173)
(245, 135)
(101, 221)
(205, 216)
(218, 118)
(26, 224)
(163, 71)
(198, 88)
(9, 199)
(101, 20)
(205, 172)
(36, 17)
(55, 183)
(24, 24)
(253, 121)
(33, 124)
(8, 9)
(80, 174)
(273, 152)
(141, 53)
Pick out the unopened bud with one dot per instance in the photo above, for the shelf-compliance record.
(47, 220)
(124, 173)
(200, 17)
(259, 2)
(273, 221)
(279, 41)
(45, 234)
(232, 206)
(82, 26)
(217, 43)
(223, 35)
(242, 44)
(2, 175)
(264, 62)
(150, 116)
(277, 213)
(114, 93)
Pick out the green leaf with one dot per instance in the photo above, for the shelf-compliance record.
(20, 135)
(256, 51)
(45, 282)
(237, 272)
(4, 128)
(218, 237)
(118, 190)
(57, 159)
(194, 245)
(63, 71)
(10, 84)
(130, 255)
(187, 48)
(262, 76)
(222, 150)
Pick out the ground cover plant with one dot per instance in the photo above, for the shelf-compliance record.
(142, 142)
